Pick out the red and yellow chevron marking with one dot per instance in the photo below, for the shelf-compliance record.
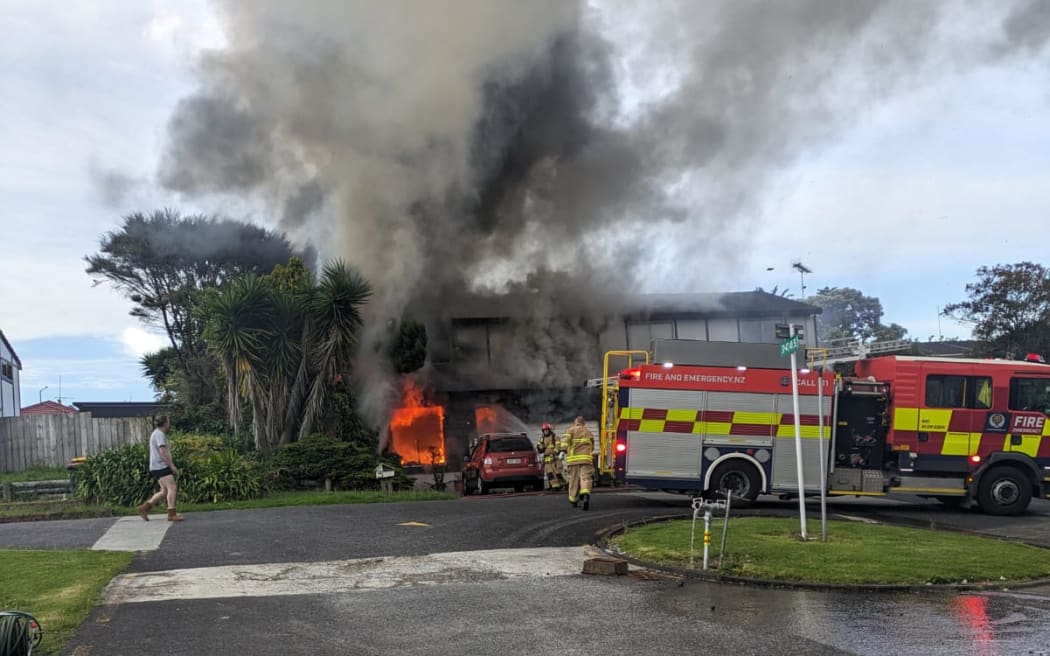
(715, 422)
(952, 433)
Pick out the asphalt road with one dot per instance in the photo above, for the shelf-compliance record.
(460, 612)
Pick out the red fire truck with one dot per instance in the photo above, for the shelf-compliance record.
(951, 429)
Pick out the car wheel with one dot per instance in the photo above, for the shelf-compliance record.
(466, 485)
(1004, 491)
(739, 477)
(481, 487)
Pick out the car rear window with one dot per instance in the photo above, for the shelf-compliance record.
(505, 444)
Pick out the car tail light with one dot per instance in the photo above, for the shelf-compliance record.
(487, 462)
(975, 459)
(620, 447)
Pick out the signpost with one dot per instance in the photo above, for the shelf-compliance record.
(790, 347)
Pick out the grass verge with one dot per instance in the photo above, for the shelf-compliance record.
(35, 474)
(72, 509)
(57, 587)
(24, 511)
(855, 553)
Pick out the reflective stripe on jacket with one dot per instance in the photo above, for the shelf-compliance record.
(578, 444)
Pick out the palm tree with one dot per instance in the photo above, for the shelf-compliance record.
(282, 340)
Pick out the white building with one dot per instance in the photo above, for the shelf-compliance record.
(10, 366)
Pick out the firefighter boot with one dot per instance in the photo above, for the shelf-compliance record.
(586, 498)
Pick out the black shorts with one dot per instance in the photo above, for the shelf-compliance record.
(157, 474)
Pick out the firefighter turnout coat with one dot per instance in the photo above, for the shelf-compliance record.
(578, 443)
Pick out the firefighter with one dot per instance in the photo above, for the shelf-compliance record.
(578, 443)
(550, 447)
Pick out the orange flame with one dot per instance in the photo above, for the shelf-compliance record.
(417, 430)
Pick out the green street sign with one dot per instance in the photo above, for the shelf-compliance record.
(789, 346)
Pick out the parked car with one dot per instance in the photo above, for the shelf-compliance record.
(503, 460)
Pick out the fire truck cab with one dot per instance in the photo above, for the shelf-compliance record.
(946, 428)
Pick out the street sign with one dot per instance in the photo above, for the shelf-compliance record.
(789, 346)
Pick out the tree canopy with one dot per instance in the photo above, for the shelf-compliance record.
(1009, 307)
(850, 315)
(162, 262)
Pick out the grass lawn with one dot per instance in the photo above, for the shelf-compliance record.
(35, 474)
(57, 587)
(73, 509)
(857, 553)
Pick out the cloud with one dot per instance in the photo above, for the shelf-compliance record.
(138, 342)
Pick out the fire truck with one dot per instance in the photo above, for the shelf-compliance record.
(963, 431)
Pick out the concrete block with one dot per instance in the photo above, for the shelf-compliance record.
(605, 566)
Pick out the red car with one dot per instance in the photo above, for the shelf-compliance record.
(503, 460)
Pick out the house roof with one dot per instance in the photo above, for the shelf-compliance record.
(949, 348)
(102, 409)
(754, 304)
(48, 408)
(18, 362)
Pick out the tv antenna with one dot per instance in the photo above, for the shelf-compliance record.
(802, 271)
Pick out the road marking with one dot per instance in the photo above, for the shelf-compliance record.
(132, 534)
(414, 524)
(358, 575)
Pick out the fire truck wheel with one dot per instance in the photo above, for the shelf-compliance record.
(1004, 491)
(738, 476)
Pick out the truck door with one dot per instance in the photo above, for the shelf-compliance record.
(1029, 407)
(952, 417)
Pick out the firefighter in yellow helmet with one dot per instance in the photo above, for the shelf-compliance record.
(578, 443)
(550, 447)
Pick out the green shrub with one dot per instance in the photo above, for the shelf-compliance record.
(219, 476)
(209, 471)
(118, 476)
(316, 458)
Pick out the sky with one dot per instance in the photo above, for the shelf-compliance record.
(905, 203)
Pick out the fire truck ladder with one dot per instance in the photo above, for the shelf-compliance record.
(610, 384)
(853, 352)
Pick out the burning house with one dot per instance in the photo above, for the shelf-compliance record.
(489, 372)
(506, 171)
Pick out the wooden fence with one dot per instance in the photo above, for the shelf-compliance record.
(53, 440)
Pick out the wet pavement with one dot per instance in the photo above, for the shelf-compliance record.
(462, 611)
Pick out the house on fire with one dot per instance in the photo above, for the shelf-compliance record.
(510, 362)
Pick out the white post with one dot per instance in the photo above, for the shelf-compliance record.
(798, 438)
(707, 534)
(823, 457)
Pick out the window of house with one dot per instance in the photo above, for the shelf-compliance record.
(7, 372)
(1031, 394)
(958, 392)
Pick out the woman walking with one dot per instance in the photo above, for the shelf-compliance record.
(162, 470)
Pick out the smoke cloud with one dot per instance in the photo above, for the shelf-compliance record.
(546, 148)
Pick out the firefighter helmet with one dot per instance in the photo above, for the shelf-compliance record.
(547, 426)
